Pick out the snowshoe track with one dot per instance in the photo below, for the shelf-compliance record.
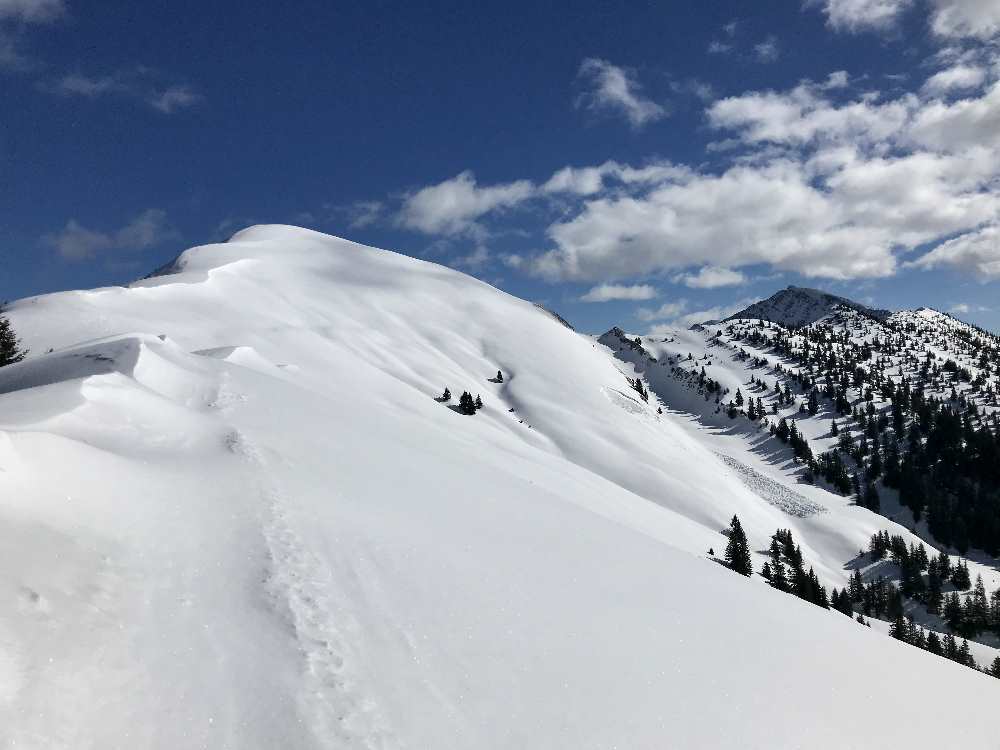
(300, 588)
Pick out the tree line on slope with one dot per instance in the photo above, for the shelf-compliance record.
(785, 571)
(937, 447)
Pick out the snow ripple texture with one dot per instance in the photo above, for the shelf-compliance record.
(775, 493)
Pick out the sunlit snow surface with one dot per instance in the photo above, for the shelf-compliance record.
(234, 515)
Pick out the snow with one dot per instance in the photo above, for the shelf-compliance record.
(235, 515)
(798, 306)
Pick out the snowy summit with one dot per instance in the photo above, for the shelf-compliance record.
(239, 512)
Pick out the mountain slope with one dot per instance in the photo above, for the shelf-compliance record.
(798, 306)
(236, 516)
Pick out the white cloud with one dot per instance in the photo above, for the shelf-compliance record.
(581, 181)
(475, 260)
(949, 19)
(591, 180)
(138, 84)
(362, 214)
(680, 316)
(979, 19)
(767, 51)
(976, 253)
(610, 292)
(452, 207)
(804, 115)
(614, 88)
(744, 216)
(960, 125)
(963, 308)
(32, 11)
(839, 79)
(173, 98)
(957, 77)
(666, 311)
(711, 277)
(814, 185)
(861, 15)
(76, 243)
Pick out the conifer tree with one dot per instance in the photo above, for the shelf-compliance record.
(737, 550)
(478, 403)
(499, 376)
(934, 644)
(446, 396)
(10, 349)
(898, 629)
(995, 667)
(465, 403)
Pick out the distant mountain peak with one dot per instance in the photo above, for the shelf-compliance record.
(798, 306)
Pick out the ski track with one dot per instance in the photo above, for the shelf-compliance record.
(781, 497)
(300, 588)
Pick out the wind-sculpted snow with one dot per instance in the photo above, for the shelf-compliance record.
(264, 530)
(777, 494)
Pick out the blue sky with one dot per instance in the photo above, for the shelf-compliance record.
(624, 164)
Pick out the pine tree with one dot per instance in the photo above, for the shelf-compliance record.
(446, 396)
(737, 550)
(478, 403)
(995, 667)
(10, 351)
(934, 644)
(950, 647)
(965, 655)
(499, 376)
(465, 404)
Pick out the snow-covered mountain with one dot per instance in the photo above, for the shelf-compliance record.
(237, 513)
(798, 306)
(897, 414)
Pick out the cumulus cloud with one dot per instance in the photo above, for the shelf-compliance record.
(812, 180)
(958, 77)
(949, 19)
(711, 277)
(827, 190)
(804, 115)
(960, 125)
(976, 253)
(979, 19)
(609, 292)
(585, 181)
(861, 15)
(746, 215)
(610, 87)
(75, 242)
(453, 206)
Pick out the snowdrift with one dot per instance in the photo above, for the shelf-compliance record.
(236, 515)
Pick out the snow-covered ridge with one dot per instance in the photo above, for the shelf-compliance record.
(798, 306)
(236, 514)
